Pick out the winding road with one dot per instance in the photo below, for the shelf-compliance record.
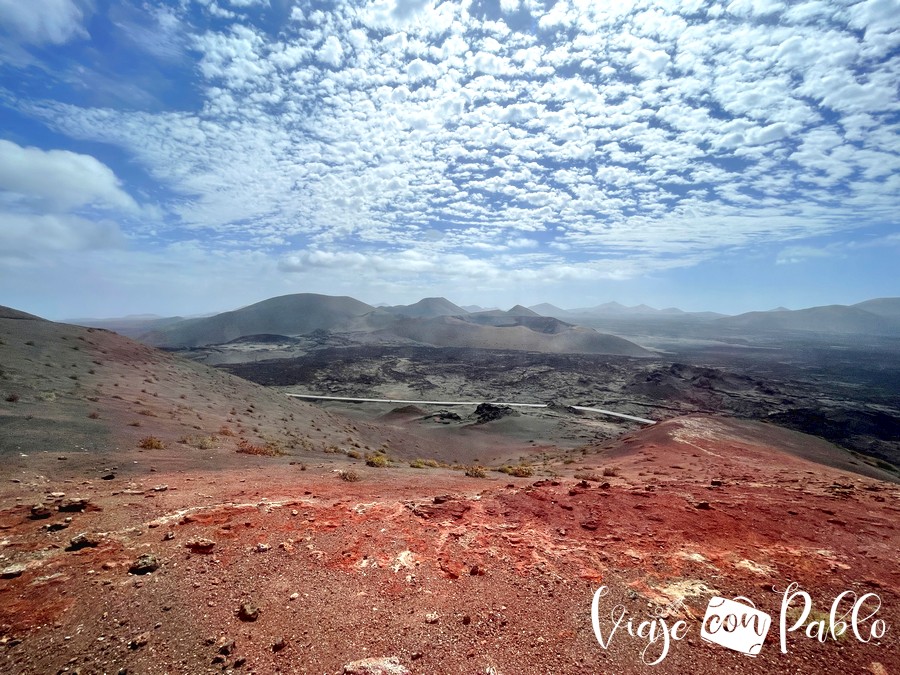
(600, 411)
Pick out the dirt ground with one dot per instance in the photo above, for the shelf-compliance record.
(274, 563)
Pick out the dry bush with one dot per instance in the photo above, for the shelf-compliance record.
(353, 454)
(200, 442)
(592, 477)
(349, 476)
(136, 423)
(12, 398)
(225, 431)
(245, 447)
(151, 443)
(519, 471)
(476, 471)
(378, 461)
(610, 471)
(424, 464)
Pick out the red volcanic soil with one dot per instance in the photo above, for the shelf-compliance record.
(449, 574)
(266, 564)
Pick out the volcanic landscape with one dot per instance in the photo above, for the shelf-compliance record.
(174, 511)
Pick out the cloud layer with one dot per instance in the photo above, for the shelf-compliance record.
(518, 139)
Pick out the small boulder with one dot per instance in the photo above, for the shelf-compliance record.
(248, 612)
(83, 540)
(145, 564)
(39, 511)
(74, 504)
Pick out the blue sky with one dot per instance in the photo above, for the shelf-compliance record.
(198, 155)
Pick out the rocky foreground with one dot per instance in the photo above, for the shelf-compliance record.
(278, 567)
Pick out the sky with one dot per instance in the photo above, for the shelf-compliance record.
(195, 156)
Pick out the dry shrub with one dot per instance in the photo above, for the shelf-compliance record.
(424, 464)
(245, 447)
(12, 398)
(349, 476)
(225, 431)
(520, 471)
(151, 443)
(200, 442)
(610, 471)
(476, 471)
(594, 478)
(378, 461)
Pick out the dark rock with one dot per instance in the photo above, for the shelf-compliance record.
(108, 476)
(590, 525)
(225, 646)
(279, 644)
(39, 511)
(139, 641)
(248, 612)
(83, 540)
(145, 564)
(74, 504)
(703, 506)
(488, 412)
(13, 571)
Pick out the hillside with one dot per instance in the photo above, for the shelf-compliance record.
(427, 308)
(93, 395)
(296, 314)
(835, 319)
(889, 308)
(519, 333)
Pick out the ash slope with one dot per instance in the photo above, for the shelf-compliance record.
(91, 396)
(432, 321)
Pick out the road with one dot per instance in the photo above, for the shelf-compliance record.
(599, 411)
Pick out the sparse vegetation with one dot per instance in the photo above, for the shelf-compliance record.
(245, 447)
(610, 471)
(425, 464)
(377, 460)
(519, 471)
(476, 471)
(200, 442)
(151, 443)
(225, 431)
(354, 454)
(349, 476)
(592, 477)
(12, 398)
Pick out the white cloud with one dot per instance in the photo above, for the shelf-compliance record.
(638, 132)
(44, 21)
(59, 180)
(331, 51)
(26, 235)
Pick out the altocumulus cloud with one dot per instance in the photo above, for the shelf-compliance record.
(517, 139)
